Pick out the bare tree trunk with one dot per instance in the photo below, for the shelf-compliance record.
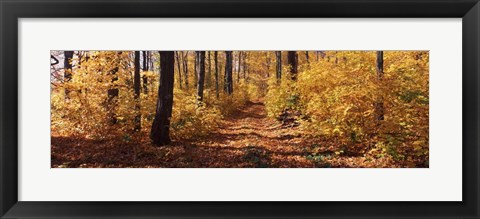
(379, 115)
(228, 73)
(67, 75)
(306, 57)
(161, 124)
(244, 66)
(239, 65)
(200, 71)
(145, 69)
(179, 70)
(215, 54)
(278, 55)
(267, 63)
(185, 68)
(113, 92)
(195, 68)
(136, 88)
(293, 64)
(209, 75)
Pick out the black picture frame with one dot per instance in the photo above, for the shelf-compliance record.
(12, 10)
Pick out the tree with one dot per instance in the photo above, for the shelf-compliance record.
(185, 68)
(200, 71)
(239, 65)
(145, 69)
(161, 123)
(228, 73)
(292, 64)
(215, 54)
(136, 88)
(278, 55)
(67, 64)
(209, 75)
(179, 70)
(379, 104)
(306, 57)
(113, 91)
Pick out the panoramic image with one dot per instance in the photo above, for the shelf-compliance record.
(239, 109)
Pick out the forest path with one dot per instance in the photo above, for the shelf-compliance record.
(248, 138)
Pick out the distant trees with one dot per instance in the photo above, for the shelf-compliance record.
(160, 132)
(228, 72)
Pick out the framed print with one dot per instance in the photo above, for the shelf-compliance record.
(239, 109)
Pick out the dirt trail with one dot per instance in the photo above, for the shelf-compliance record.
(248, 138)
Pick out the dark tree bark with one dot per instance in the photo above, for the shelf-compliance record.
(293, 64)
(146, 63)
(209, 75)
(161, 124)
(67, 75)
(136, 88)
(379, 115)
(306, 57)
(200, 71)
(215, 55)
(239, 65)
(177, 56)
(185, 68)
(228, 73)
(278, 55)
(267, 63)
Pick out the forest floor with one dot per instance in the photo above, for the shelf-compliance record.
(247, 138)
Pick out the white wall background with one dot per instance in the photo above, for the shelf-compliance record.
(441, 182)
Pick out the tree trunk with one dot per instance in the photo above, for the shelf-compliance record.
(228, 73)
(145, 69)
(67, 75)
(306, 57)
(267, 63)
(239, 65)
(177, 56)
(215, 54)
(245, 66)
(185, 68)
(209, 75)
(195, 76)
(200, 71)
(293, 64)
(112, 93)
(136, 88)
(161, 123)
(278, 55)
(144, 61)
(379, 115)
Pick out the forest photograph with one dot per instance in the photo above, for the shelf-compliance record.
(239, 109)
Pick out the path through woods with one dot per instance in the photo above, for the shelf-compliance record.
(247, 138)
